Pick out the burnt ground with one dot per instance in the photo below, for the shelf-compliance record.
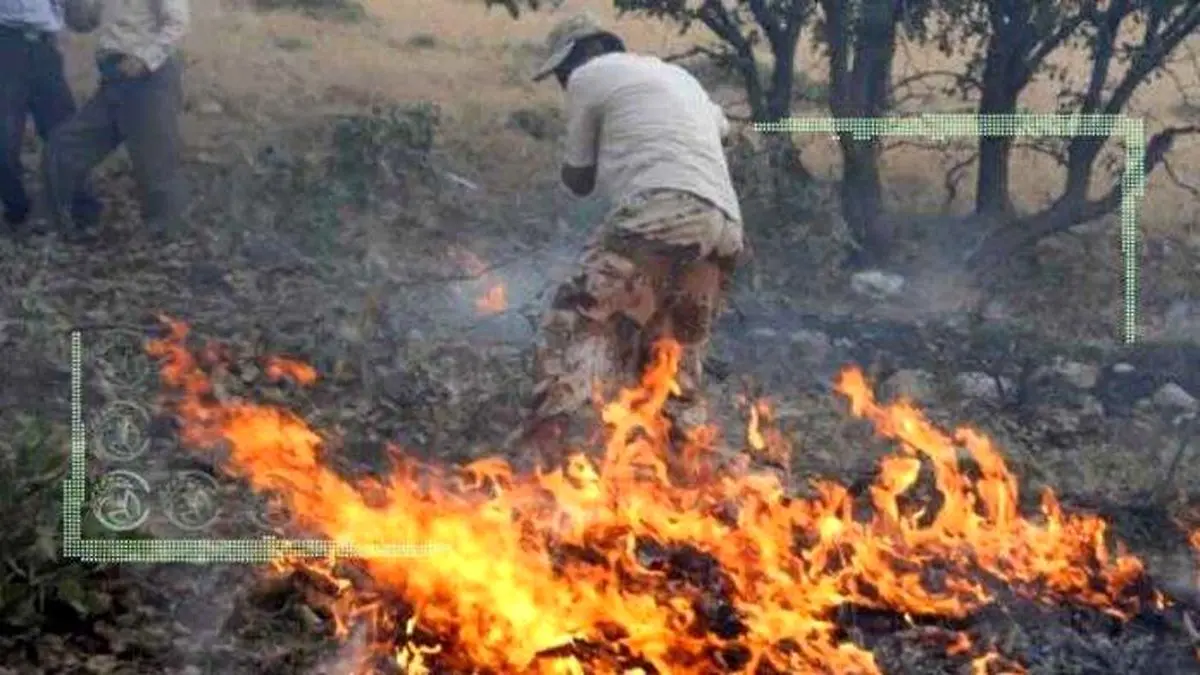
(364, 290)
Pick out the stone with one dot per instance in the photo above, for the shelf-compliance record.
(1182, 320)
(996, 309)
(1078, 375)
(814, 345)
(981, 386)
(1091, 408)
(1123, 368)
(1174, 397)
(1059, 419)
(876, 283)
(913, 384)
(210, 107)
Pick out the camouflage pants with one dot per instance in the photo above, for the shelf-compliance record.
(657, 268)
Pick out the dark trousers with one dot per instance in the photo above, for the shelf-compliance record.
(32, 83)
(142, 113)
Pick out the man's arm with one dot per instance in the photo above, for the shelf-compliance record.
(723, 127)
(583, 136)
(173, 19)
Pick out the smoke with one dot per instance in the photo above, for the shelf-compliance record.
(347, 658)
(528, 281)
(201, 602)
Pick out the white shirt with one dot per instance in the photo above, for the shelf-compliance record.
(43, 15)
(647, 124)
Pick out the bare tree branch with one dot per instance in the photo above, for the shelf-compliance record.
(1157, 148)
(1044, 147)
(1064, 32)
(714, 15)
(707, 52)
(1151, 54)
(1190, 188)
(907, 84)
(960, 78)
(954, 177)
(1070, 210)
(765, 18)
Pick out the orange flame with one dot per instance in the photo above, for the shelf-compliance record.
(766, 441)
(494, 301)
(995, 664)
(279, 368)
(620, 566)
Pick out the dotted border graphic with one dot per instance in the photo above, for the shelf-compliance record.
(195, 551)
(1131, 131)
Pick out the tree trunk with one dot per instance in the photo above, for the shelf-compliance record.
(862, 91)
(861, 54)
(995, 152)
(862, 200)
(1005, 75)
(785, 159)
(991, 189)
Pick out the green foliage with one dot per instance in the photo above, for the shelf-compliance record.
(335, 10)
(391, 145)
(541, 123)
(307, 181)
(33, 575)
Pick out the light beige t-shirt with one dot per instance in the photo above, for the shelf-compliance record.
(647, 124)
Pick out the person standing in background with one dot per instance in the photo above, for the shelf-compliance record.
(138, 103)
(32, 83)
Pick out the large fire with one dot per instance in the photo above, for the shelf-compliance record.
(655, 559)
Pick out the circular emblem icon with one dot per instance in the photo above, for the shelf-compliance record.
(269, 511)
(191, 501)
(121, 431)
(121, 501)
(120, 357)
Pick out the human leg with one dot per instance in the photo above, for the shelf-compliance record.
(149, 122)
(585, 340)
(14, 103)
(74, 147)
(51, 103)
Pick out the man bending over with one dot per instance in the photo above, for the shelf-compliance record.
(647, 135)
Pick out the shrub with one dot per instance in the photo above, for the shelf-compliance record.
(35, 580)
(336, 10)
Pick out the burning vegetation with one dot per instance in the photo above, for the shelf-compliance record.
(659, 559)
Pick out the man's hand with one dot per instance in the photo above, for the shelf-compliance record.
(579, 180)
(132, 66)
